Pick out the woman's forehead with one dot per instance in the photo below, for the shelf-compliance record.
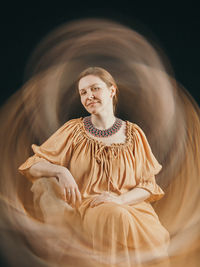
(89, 81)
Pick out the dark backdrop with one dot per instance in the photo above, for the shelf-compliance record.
(175, 26)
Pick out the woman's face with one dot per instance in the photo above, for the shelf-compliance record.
(95, 94)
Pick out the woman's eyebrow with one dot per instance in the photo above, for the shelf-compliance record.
(88, 86)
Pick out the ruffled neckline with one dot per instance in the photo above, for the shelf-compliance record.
(126, 143)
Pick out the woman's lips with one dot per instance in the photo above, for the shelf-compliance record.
(92, 103)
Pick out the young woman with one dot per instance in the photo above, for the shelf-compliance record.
(106, 172)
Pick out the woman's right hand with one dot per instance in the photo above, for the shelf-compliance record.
(69, 187)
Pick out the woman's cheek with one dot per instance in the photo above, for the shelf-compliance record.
(83, 101)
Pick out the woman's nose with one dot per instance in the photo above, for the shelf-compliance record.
(90, 95)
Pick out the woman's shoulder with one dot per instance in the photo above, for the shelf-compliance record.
(134, 126)
(137, 132)
(70, 126)
(72, 123)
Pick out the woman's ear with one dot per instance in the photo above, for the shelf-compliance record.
(113, 90)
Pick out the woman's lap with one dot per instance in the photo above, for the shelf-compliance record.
(134, 226)
(132, 230)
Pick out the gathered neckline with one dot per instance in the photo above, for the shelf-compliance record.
(126, 143)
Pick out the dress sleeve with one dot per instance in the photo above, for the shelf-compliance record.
(56, 149)
(146, 166)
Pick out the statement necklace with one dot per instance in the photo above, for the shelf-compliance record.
(102, 133)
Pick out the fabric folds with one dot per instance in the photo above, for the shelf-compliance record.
(131, 231)
(146, 165)
(71, 140)
(56, 149)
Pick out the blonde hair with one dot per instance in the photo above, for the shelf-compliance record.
(105, 76)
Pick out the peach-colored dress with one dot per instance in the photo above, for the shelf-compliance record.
(133, 231)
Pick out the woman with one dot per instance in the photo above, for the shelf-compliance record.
(106, 171)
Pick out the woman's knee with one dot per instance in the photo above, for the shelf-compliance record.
(102, 220)
(118, 213)
(112, 212)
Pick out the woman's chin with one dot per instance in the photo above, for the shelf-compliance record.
(92, 110)
(95, 112)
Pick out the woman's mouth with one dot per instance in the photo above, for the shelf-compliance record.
(92, 103)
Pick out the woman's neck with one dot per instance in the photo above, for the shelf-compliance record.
(103, 121)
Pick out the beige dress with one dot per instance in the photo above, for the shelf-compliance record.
(124, 234)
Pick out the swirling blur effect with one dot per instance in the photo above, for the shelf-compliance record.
(149, 96)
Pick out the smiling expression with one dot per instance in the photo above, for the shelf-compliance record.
(95, 95)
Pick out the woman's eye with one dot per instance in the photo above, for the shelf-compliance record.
(83, 93)
(96, 88)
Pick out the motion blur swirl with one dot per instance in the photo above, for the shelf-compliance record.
(149, 96)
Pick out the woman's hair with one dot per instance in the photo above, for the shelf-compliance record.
(105, 76)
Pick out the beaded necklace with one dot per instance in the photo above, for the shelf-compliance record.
(102, 133)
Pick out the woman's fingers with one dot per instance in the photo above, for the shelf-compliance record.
(96, 203)
(68, 193)
(78, 195)
(73, 195)
(64, 194)
(104, 197)
(69, 189)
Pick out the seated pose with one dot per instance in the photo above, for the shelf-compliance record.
(106, 171)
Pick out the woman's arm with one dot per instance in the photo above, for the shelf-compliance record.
(44, 168)
(134, 196)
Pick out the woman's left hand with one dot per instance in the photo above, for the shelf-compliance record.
(105, 197)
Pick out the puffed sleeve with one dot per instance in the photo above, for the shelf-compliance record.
(146, 166)
(56, 149)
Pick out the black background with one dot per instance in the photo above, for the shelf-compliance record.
(176, 26)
